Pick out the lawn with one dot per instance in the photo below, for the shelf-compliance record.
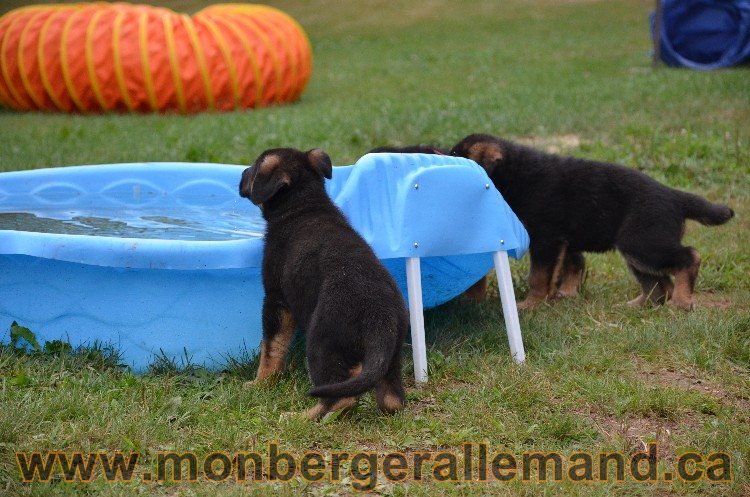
(572, 76)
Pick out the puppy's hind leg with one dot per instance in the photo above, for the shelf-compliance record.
(325, 406)
(557, 272)
(667, 286)
(390, 394)
(278, 331)
(685, 274)
(652, 289)
(541, 275)
(571, 274)
(478, 290)
(657, 263)
(326, 369)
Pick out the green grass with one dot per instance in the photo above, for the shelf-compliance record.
(599, 376)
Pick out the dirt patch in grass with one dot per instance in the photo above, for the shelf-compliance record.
(554, 144)
(420, 406)
(690, 380)
(636, 432)
(713, 301)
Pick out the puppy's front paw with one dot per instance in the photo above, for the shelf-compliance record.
(266, 382)
(638, 301)
(529, 303)
(248, 385)
(683, 305)
(316, 412)
(566, 293)
(292, 415)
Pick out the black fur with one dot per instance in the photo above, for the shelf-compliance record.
(318, 269)
(570, 206)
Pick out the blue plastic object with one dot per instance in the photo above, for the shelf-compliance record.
(200, 292)
(704, 34)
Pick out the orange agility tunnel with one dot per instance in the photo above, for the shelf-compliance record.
(101, 57)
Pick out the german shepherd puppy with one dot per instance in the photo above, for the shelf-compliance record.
(570, 206)
(321, 275)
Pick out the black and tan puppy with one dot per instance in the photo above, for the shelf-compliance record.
(570, 206)
(321, 276)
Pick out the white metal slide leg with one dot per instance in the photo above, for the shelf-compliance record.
(510, 311)
(416, 316)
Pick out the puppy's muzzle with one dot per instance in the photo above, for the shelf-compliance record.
(246, 183)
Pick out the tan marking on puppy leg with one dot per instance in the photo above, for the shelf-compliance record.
(530, 302)
(390, 403)
(343, 403)
(539, 279)
(356, 370)
(478, 290)
(684, 284)
(273, 353)
(652, 282)
(656, 295)
(320, 410)
(651, 293)
(638, 301)
(265, 369)
(556, 278)
(484, 153)
(572, 277)
(682, 298)
(316, 412)
(667, 287)
(571, 281)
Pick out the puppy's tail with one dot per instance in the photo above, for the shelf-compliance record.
(378, 356)
(703, 211)
(373, 369)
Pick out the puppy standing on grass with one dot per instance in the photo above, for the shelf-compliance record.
(570, 206)
(321, 275)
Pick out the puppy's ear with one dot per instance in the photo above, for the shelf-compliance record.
(320, 162)
(487, 154)
(267, 179)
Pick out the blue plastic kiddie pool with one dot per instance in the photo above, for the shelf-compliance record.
(164, 258)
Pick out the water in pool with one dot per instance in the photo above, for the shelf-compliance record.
(184, 223)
